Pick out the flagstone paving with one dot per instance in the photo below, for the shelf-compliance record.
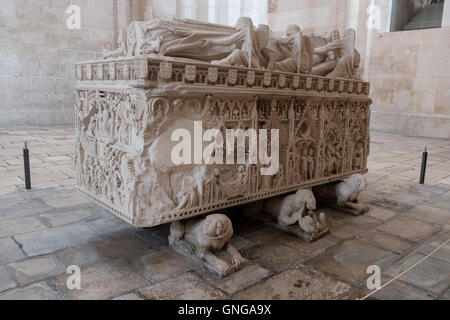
(51, 227)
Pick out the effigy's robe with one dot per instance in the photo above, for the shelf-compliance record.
(185, 39)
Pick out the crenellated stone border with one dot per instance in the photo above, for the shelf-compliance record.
(153, 72)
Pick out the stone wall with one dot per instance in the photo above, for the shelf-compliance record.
(408, 70)
(37, 53)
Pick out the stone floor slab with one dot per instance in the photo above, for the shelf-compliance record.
(401, 291)
(32, 270)
(103, 281)
(443, 253)
(51, 240)
(15, 209)
(430, 214)
(11, 227)
(35, 291)
(298, 284)
(410, 229)
(385, 241)
(431, 274)
(315, 247)
(9, 251)
(129, 296)
(274, 256)
(75, 199)
(349, 260)
(6, 280)
(60, 218)
(380, 213)
(185, 287)
(250, 274)
(162, 264)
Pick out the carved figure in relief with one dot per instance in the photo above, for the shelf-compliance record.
(358, 156)
(188, 195)
(216, 185)
(279, 180)
(297, 208)
(304, 164)
(203, 238)
(310, 161)
(344, 195)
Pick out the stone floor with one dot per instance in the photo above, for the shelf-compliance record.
(45, 230)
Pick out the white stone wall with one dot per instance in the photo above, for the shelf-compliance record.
(222, 11)
(37, 53)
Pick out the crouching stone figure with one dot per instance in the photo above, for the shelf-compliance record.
(344, 195)
(203, 239)
(297, 208)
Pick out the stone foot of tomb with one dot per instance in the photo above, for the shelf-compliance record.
(205, 241)
(343, 195)
(294, 213)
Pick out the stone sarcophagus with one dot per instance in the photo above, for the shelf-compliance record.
(147, 105)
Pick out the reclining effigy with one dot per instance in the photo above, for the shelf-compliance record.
(154, 116)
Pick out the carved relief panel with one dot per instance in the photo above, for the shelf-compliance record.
(124, 146)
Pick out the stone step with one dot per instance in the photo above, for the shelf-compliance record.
(428, 17)
(423, 25)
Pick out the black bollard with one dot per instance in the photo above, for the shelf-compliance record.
(424, 166)
(26, 165)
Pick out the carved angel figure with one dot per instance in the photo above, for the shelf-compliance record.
(344, 195)
(204, 238)
(297, 208)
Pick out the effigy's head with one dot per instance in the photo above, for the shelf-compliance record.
(307, 197)
(243, 22)
(217, 225)
(177, 104)
(292, 29)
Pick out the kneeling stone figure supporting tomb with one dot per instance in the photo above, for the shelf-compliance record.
(194, 76)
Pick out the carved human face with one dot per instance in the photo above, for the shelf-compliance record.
(362, 183)
(214, 226)
(311, 203)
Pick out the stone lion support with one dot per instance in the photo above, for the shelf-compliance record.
(294, 213)
(344, 195)
(205, 240)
